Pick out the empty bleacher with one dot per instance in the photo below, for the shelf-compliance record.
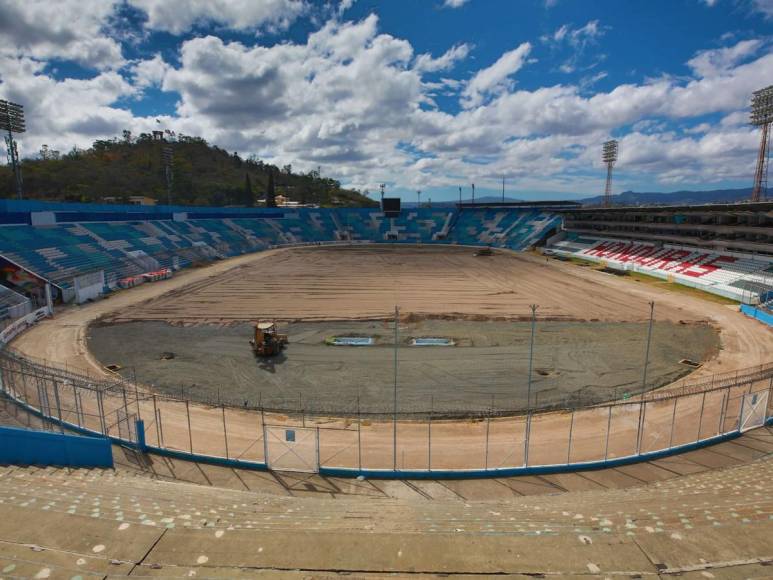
(60, 252)
(743, 278)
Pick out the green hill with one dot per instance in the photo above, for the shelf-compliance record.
(202, 175)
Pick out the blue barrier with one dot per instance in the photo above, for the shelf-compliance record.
(28, 447)
(756, 313)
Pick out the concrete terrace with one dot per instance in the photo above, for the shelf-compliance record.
(703, 514)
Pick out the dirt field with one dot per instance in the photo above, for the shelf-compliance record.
(578, 363)
(367, 282)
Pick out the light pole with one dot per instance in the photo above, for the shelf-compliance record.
(12, 120)
(460, 196)
(473, 194)
(418, 198)
(609, 156)
(762, 116)
(531, 353)
(381, 187)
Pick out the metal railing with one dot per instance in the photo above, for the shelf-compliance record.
(691, 414)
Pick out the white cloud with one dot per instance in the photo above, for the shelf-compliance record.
(496, 78)
(425, 62)
(179, 17)
(356, 101)
(708, 63)
(764, 6)
(149, 72)
(68, 112)
(454, 3)
(577, 40)
(71, 30)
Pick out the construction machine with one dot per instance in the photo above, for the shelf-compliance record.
(267, 341)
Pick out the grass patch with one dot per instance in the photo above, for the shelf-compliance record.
(680, 288)
(585, 263)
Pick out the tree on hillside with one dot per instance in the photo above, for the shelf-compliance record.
(247, 197)
(270, 191)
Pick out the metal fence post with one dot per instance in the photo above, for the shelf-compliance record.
(531, 354)
(640, 430)
(160, 424)
(58, 405)
(265, 441)
(359, 443)
(429, 432)
(609, 427)
(485, 453)
(647, 352)
(770, 398)
(526, 440)
(190, 432)
(673, 421)
(225, 433)
(569, 446)
(101, 411)
(725, 401)
(156, 416)
(78, 404)
(394, 417)
(700, 420)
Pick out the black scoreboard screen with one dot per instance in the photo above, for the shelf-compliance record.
(391, 206)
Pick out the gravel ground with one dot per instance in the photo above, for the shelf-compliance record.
(585, 362)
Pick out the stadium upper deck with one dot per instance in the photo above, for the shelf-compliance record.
(740, 227)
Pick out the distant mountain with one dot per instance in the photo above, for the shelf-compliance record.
(674, 198)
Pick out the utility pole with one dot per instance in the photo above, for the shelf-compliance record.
(503, 189)
(473, 194)
(381, 187)
(418, 198)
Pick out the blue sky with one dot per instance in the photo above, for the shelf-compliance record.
(417, 94)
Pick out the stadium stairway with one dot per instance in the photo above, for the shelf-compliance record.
(94, 522)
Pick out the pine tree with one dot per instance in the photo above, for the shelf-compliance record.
(271, 193)
(248, 198)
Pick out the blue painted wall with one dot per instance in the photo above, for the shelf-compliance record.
(28, 447)
(760, 315)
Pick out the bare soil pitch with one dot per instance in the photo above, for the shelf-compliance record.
(575, 363)
(367, 282)
(589, 347)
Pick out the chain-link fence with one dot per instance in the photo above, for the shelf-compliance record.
(689, 413)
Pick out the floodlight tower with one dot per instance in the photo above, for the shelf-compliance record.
(12, 120)
(167, 155)
(609, 156)
(762, 116)
(381, 186)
